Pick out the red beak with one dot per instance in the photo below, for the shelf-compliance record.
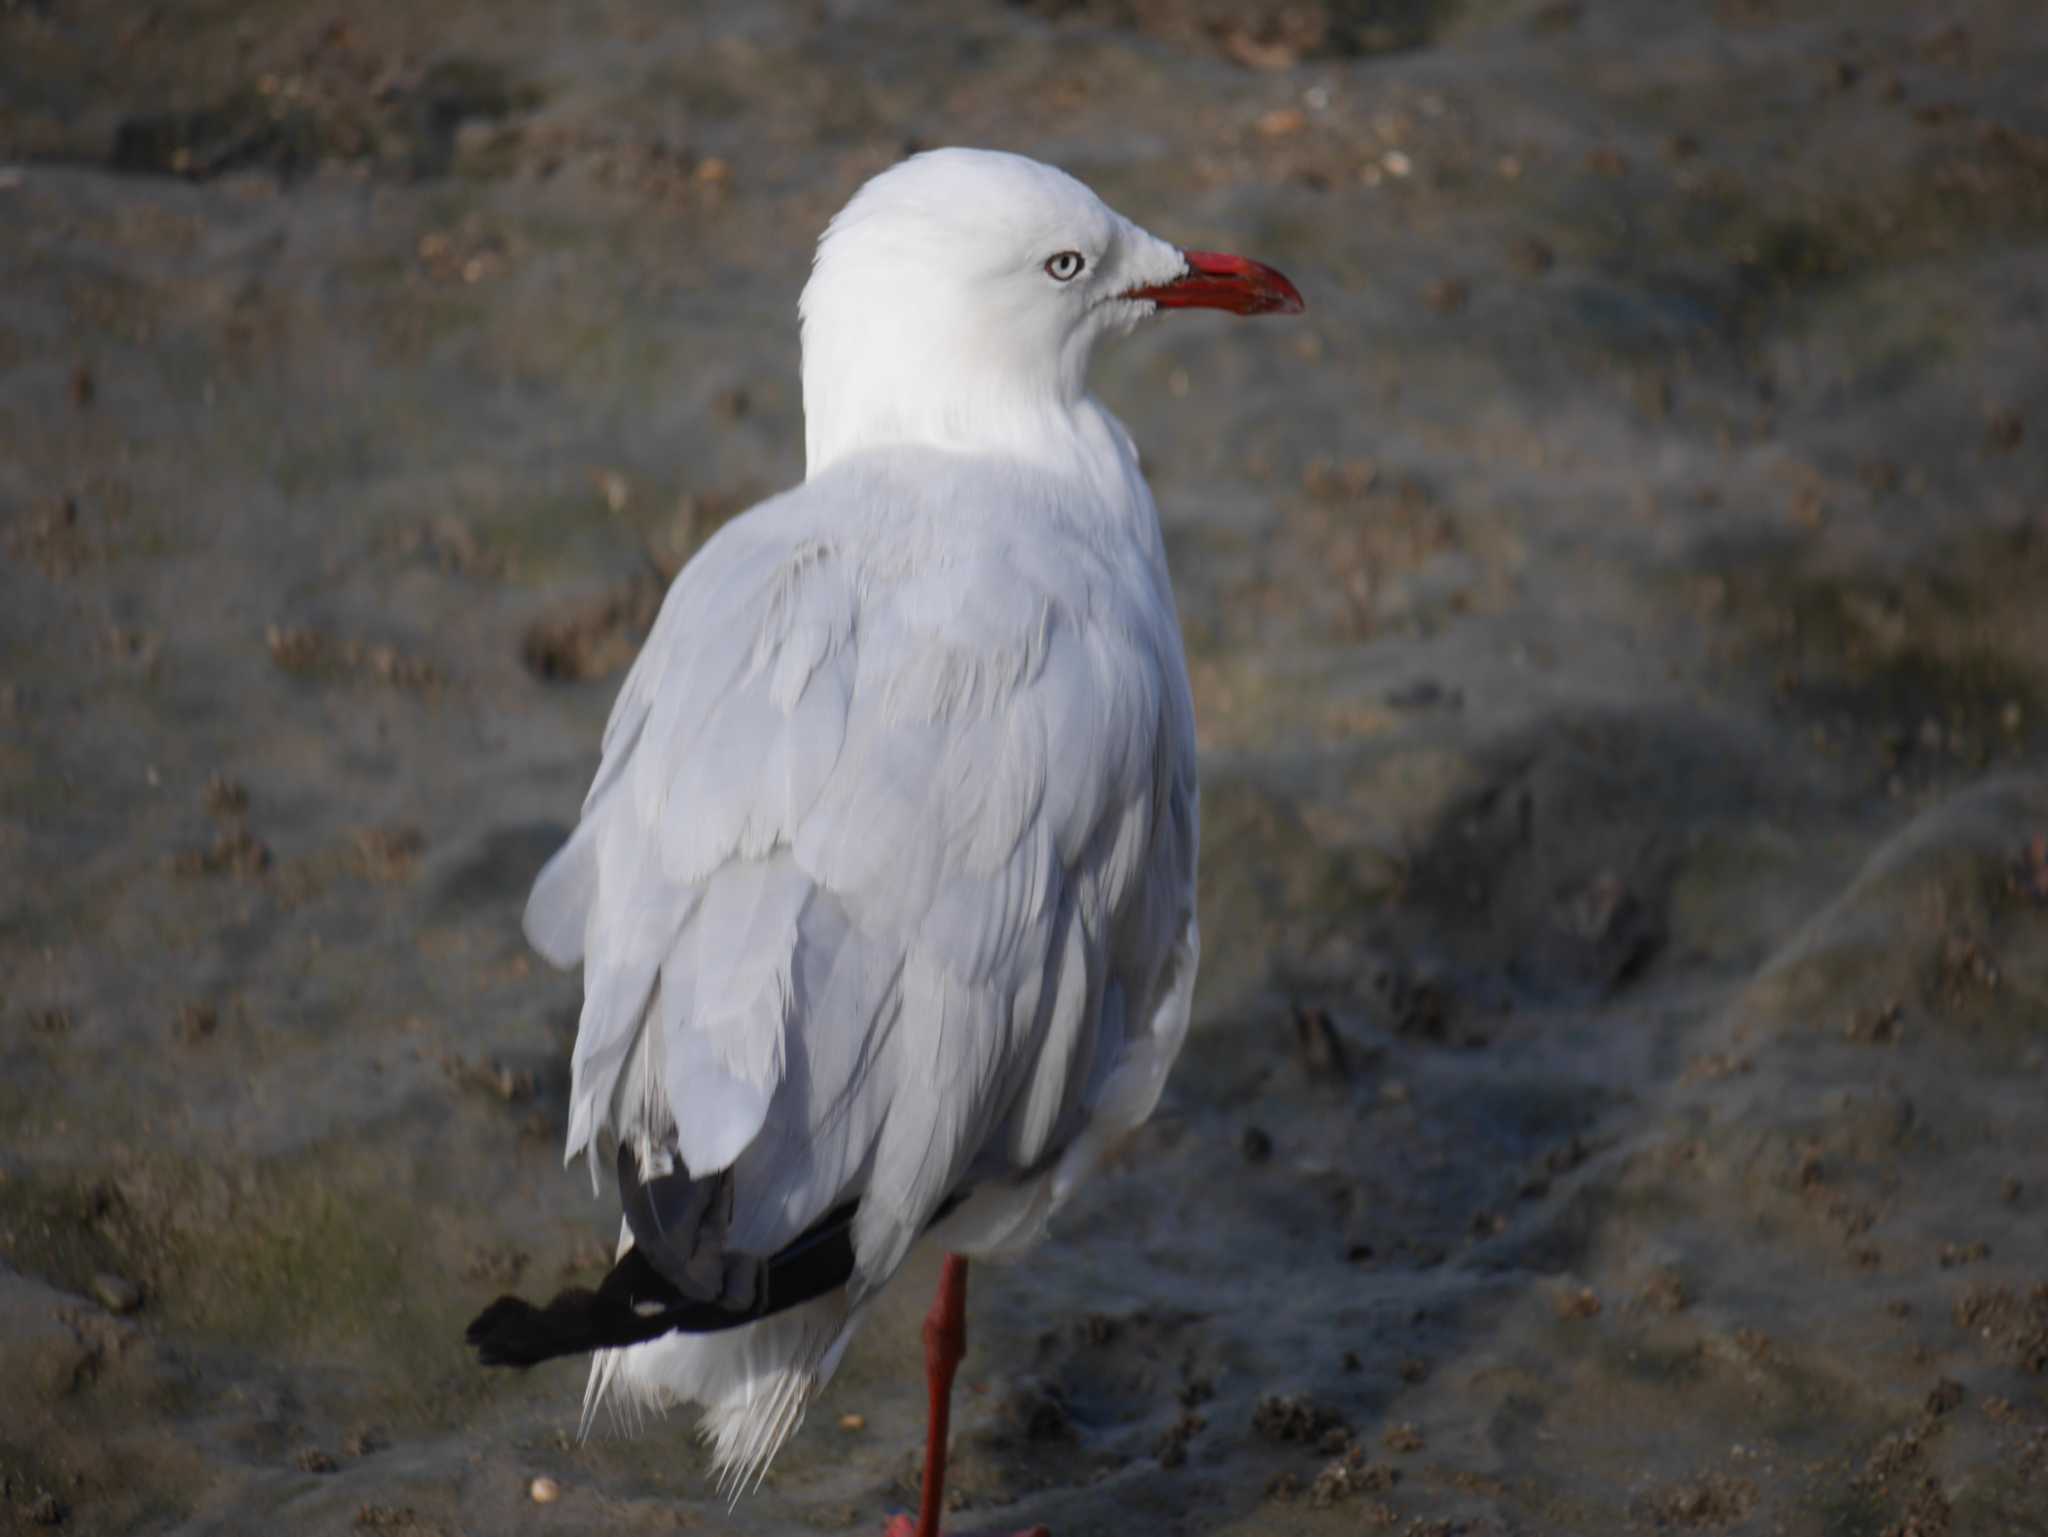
(1218, 282)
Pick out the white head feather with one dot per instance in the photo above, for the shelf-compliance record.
(935, 314)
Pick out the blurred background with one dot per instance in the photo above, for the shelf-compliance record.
(1619, 619)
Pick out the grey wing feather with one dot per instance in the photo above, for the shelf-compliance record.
(889, 849)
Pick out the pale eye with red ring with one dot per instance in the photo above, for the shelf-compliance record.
(1065, 267)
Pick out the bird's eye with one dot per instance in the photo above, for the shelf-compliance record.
(1065, 267)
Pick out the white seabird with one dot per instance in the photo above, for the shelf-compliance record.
(885, 889)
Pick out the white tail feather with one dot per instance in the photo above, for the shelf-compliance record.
(754, 1383)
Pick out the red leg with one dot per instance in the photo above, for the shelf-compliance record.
(945, 1342)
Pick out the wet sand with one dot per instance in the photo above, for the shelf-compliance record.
(1619, 616)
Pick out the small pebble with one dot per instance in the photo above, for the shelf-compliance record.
(544, 1490)
(117, 1294)
(852, 1421)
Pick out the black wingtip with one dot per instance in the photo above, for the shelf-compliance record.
(495, 1333)
(636, 1302)
(512, 1332)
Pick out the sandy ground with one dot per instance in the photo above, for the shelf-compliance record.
(1619, 612)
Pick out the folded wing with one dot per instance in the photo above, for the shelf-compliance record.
(888, 856)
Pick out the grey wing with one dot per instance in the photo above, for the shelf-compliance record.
(886, 867)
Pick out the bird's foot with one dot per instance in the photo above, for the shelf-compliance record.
(905, 1525)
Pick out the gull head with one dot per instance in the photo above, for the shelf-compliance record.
(955, 302)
